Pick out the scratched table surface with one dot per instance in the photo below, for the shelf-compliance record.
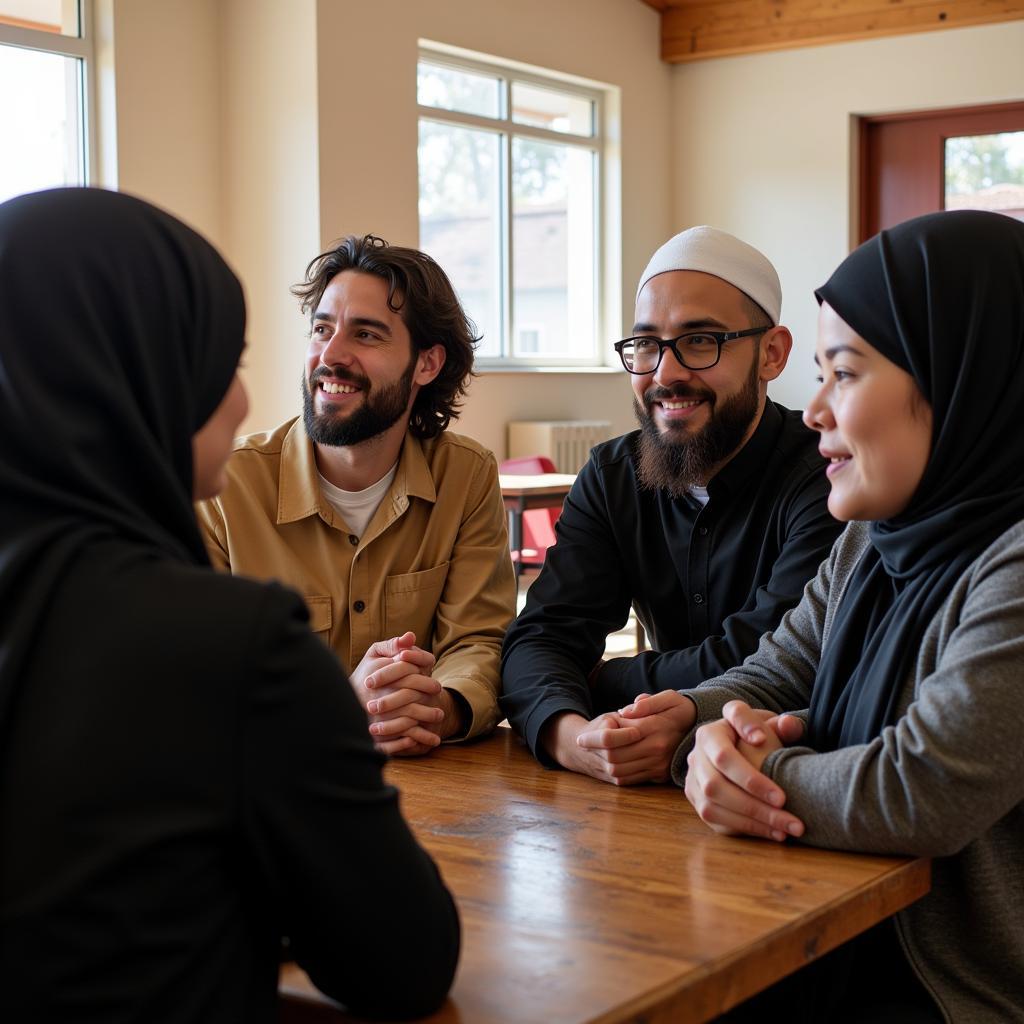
(583, 902)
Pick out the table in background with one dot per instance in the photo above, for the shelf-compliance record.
(521, 493)
(584, 902)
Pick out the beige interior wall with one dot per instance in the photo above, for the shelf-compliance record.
(166, 87)
(269, 185)
(217, 121)
(368, 134)
(764, 145)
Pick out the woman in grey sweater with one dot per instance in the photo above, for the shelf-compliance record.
(903, 664)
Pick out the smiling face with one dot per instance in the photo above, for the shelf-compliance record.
(875, 425)
(362, 372)
(693, 421)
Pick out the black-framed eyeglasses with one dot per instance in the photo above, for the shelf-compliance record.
(696, 350)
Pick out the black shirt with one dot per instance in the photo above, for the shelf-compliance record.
(706, 582)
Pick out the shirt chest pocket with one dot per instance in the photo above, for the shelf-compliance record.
(410, 602)
(319, 616)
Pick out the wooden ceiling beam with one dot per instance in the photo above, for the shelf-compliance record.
(699, 29)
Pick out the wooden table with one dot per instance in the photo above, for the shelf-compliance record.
(582, 902)
(521, 493)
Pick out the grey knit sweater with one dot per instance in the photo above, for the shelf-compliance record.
(946, 781)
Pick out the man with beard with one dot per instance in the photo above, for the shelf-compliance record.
(390, 526)
(709, 520)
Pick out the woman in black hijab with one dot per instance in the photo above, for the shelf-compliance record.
(905, 658)
(185, 776)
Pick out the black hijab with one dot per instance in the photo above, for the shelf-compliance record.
(941, 296)
(120, 331)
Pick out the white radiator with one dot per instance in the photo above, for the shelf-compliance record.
(566, 442)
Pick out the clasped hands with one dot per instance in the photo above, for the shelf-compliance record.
(724, 782)
(620, 747)
(410, 713)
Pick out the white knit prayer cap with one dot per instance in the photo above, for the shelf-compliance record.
(723, 255)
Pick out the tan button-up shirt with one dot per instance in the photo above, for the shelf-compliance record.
(434, 558)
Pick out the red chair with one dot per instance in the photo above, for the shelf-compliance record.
(538, 523)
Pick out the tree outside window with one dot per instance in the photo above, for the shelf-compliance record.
(986, 172)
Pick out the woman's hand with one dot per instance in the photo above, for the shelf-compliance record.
(751, 723)
(724, 782)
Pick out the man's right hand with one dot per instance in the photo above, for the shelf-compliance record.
(618, 750)
(560, 737)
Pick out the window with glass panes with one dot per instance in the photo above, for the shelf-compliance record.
(509, 172)
(45, 64)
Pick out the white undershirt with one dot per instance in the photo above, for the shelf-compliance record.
(699, 494)
(357, 507)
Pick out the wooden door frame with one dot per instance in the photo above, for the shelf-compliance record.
(864, 160)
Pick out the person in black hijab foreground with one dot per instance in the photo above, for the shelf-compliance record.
(904, 660)
(185, 774)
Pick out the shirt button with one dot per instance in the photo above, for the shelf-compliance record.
(353, 539)
(703, 531)
(698, 598)
(360, 606)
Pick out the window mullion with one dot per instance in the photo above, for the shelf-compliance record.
(48, 42)
(88, 104)
(459, 119)
(507, 225)
(599, 243)
(591, 142)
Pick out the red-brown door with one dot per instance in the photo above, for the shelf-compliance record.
(902, 159)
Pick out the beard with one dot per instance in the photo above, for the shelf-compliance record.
(673, 462)
(382, 407)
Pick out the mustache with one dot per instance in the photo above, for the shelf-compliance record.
(338, 373)
(676, 393)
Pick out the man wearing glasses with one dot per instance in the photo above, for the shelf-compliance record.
(709, 520)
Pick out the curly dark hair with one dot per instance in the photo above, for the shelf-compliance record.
(420, 292)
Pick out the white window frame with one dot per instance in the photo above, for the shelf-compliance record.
(505, 128)
(82, 47)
